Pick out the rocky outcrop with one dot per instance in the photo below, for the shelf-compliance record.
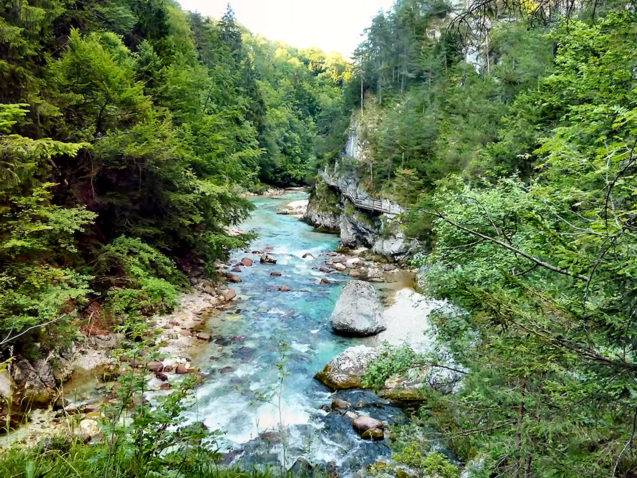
(357, 228)
(324, 209)
(35, 381)
(358, 311)
(392, 246)
(331, 208)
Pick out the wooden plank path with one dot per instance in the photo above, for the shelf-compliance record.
(375, 205)
(384, 206)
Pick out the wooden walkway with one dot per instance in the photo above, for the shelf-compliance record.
(375, 205)
(384, 206)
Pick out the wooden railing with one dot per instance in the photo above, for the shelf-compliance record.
(376, 205)
(382, 205)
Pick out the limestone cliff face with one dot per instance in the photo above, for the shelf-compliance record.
(337, 200)
(331, 207)
(324, 208)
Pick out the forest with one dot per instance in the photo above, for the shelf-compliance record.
(130, 130)
(133, 132)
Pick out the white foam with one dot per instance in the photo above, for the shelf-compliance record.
(300, 347)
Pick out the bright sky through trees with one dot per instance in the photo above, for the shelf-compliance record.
(332, 25)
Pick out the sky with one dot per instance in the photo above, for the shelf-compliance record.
(331, 25)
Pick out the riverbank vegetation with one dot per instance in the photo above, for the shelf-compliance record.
(130, 130)
(519, 171)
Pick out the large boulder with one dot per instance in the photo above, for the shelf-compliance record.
(391, 246)
(358, 311)
(346, 370)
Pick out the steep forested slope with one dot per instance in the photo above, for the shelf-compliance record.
(129, 131)
(518, 169)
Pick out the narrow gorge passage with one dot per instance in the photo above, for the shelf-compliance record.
(272, 332)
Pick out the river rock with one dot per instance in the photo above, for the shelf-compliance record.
(351, 415)
(285, 288)
(267, 259)
(325, 281)
(203, 336)
(6, 387)
(346, 370)
(88, 429)
(183, 368)
(275, 274)
(233, 278)
(340, 404)
(228, 294)
(374, 434)
(301, 467)
(155, 366)
(246, 261)
(358, 311)
(308, 255)
(339, 267)
(369, 428)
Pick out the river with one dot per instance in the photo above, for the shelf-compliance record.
(261, 392)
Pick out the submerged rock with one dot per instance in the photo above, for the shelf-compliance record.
(358, 311)
(246, 261)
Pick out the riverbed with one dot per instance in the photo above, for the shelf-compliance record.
(260, 365)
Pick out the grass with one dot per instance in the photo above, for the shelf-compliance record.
(65, 458)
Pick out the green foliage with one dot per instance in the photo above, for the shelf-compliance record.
(521, 179)
(545, 268)
(38, 248)
(434, 465)
(159, 120)
(392, 361)
(305, 119)
(139, 279)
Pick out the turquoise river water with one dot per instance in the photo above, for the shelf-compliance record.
(261, 392)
